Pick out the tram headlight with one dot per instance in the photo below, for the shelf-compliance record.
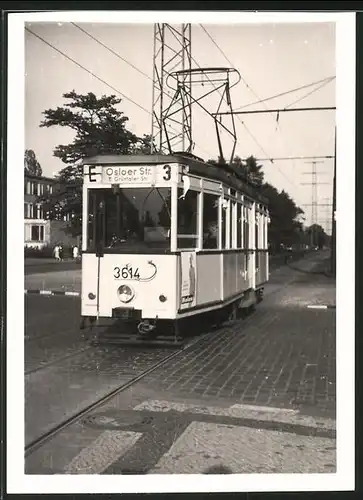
(125, 293)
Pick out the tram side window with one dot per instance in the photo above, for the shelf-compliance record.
(239, 226)
(210, 220)
(233, 225)
(224, 223)
(257, 238)
(187, 228)
(246, 228)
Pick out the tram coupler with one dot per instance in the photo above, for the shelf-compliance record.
(146, 326)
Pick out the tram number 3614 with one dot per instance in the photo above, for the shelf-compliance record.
(126, 273)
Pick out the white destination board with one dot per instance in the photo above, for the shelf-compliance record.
(126, 175)
(130, 174)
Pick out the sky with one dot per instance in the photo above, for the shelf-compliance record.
(271, 58)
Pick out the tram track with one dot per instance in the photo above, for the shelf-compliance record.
(88, 408)
(38, 442)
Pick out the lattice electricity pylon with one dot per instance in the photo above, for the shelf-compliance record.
(172, 51)
(183, 81)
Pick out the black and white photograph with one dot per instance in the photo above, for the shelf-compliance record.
(186, 220)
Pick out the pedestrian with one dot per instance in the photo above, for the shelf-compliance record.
(61, 252)
(75, 252)
(56, 253)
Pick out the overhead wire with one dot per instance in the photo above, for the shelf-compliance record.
(309, 93)
(124, 60)
(257, 96)
(281, 94)
(263, 101)
(114, 89)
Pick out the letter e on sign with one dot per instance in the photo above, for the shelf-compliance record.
(91, 173)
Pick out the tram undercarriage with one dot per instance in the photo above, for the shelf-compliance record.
(131, 329)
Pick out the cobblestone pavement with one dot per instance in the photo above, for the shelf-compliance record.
(256, 396)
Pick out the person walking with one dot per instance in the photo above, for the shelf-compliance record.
(56, 252)
(75, 252)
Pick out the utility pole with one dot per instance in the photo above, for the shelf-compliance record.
(333, 231)
(172, 52)
(314, 197)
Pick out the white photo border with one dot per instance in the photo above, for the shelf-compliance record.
(17, 481)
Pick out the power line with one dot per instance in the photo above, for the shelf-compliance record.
(330, 78)
(112, 51)
(296, 158)
(229, 62)
(244, 81)
(124, 60)
(309, 93)
(96, 76)
(278, 110)
(255, 94)
(88, 71)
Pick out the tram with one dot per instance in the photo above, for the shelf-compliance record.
(167, 237)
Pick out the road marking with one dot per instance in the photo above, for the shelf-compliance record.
(102, 452)
(263, 408)
(318, 306)
(262, 413)
(51, 292)
(206, 447)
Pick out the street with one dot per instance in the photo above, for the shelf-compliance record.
(263, 382)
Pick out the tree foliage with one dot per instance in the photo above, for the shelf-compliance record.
(99, 128)
(285, 229)
(31, 164)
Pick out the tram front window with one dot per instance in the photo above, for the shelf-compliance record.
(129, 219)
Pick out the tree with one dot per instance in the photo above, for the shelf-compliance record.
(317, 235)
(252, 170)
(248, 169)
(99, 128)
(285, 228)
(31, 164)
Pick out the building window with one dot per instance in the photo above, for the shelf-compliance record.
(37, 233)
(210, 220)
(31, 211)
(39, 212)
(25, 210)
(40, 189)
(187, 228)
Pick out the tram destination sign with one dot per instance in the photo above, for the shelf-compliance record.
(136, 174)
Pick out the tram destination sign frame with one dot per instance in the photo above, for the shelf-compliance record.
(129, 174)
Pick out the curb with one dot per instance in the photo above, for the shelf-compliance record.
(321, 307)
(51, 292)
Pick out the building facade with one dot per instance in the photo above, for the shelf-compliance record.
(40, 232)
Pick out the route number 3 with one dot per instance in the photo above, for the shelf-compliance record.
(126, 273)
(167, 175)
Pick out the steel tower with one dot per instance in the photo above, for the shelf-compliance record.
(172, 52)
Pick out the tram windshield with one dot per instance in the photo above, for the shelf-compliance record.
(129, 219)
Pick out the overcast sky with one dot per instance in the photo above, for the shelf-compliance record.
(272, 58)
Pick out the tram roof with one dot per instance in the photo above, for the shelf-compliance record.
(197, 166)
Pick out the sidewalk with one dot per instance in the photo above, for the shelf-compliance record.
(59, 281)
(255, 396)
